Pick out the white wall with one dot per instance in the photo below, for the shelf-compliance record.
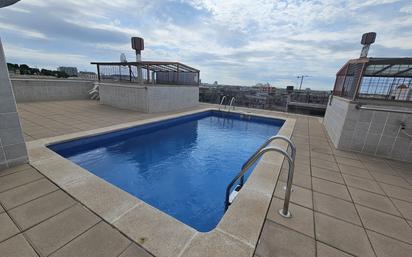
(124, 96)
(150, 98)
(12, 146)
(371, 132)
(172, 98)
(32, 90)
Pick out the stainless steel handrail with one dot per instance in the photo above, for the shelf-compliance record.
(231, 102)
(263, 149)
(221, 102)
(266, 143)
(361, 107)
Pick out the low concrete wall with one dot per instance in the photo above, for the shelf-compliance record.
(371, 132)
(149, 98)
(32, 90)
(12, 147)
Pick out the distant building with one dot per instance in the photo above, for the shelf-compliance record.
(71, 71)
(87, 75)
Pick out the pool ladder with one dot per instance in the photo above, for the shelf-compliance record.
(221, 102)
(230, 196)
(231, 103)
(232, 100)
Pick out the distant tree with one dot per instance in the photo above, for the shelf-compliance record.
(12, 67)
(46, 72)
(34, 71)
(61, 74)
(24, 69)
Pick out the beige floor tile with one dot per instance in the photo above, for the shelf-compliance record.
(330, 188)
(354, 171)
(16, 246)
(100, 241)
(105, 199)
(322, 156)
(298, 179)
(388, 247)
(135, 251)
(321, 149)
(303, 169)
(345, 154)
(391, 180)
(327, 175)
(397, 192)
(349, 162)
(404, 207)
(158, 227)
(7, 227)
(361, 183)
(325, 164)
(57, 231)
(301, 220)
(223, 245)
(336, 207)
(324, 250)
(9, 171)
(342, 235)
(26, 193)
(41, 209)
(374, 201)
(19, 178)
(299, 195)
(277, 240)
(385, 223)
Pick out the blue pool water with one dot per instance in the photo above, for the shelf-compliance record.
(180, 166)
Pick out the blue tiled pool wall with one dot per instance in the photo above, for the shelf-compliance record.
(65, 148)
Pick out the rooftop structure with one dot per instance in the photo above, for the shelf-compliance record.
(371, 108)
(153, 72)
(388, 79)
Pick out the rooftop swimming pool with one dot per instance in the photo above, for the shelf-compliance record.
(180, 166)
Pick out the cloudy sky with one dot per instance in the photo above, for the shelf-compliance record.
(231, 41)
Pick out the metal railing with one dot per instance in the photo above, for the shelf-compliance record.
(362, 107)
(262, 150)
(231, 103)
(172, 73)
(221, 102)
(387, 79)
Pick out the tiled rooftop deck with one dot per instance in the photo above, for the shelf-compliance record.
(343, 204)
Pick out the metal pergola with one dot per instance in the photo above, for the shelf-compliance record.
(178, 69)
(375, 78)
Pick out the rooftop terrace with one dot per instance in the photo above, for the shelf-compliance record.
(343, 204)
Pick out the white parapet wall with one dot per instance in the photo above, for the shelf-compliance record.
(149, 98)
(370, 132)
(32, 90)
(12, 146)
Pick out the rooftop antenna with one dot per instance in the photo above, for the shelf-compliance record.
(301, 77)
(4, 3)
(138, 46)
(367, 40)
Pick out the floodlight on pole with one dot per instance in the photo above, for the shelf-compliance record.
(301, 77)
(367, 40)
(138, 46)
